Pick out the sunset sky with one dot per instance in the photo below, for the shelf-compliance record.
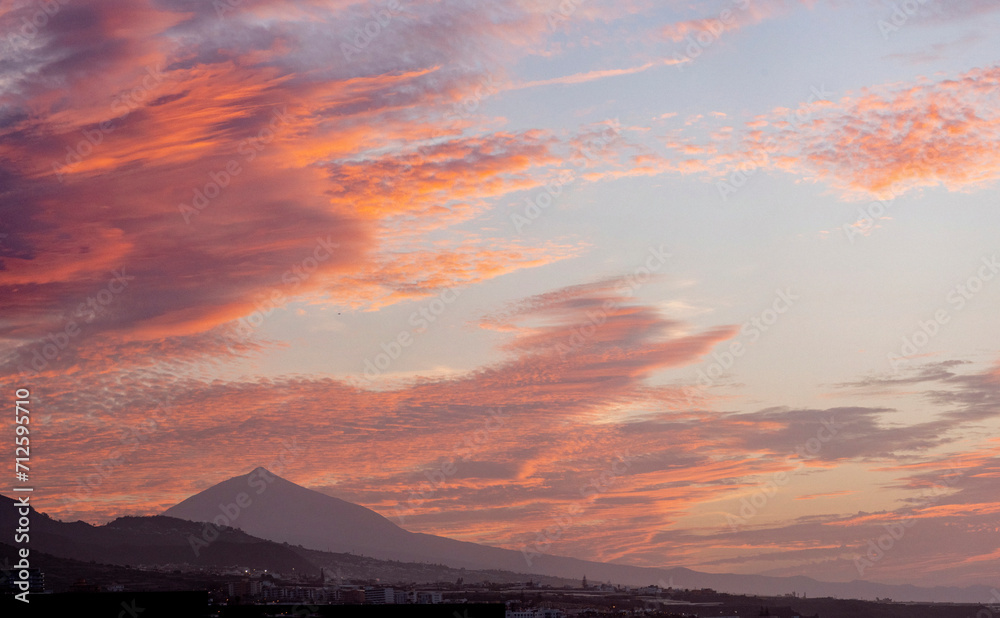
(719, 278)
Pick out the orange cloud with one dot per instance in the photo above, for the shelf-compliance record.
(881, 142)
(231, 158)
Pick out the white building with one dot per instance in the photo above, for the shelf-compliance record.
(380, 596)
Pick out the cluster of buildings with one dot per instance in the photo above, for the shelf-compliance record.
(263, 590)
(538, 612)
(36, 581)
(385, 596)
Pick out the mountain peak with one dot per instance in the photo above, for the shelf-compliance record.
(266, 505)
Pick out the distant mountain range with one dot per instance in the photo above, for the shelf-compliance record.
(282, 511)
(154, 540)
(260, 519)
(67, 552)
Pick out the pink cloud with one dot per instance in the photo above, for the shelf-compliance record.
(880, 142)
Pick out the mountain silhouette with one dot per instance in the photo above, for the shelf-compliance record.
(150, 540)
(265, 505)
